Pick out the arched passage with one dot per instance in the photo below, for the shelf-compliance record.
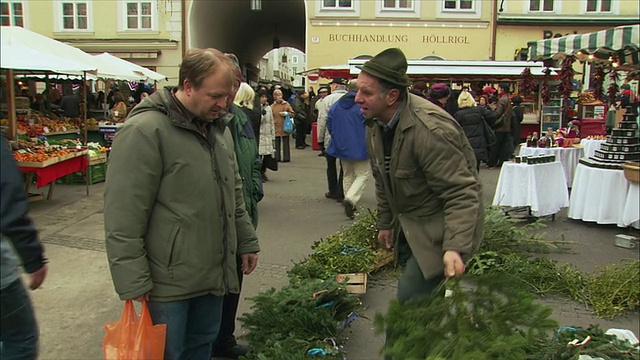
(231, 26)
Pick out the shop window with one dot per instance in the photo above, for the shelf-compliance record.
(598, 5)
(12, 13)
(140, 15)
(458, 5)
(74, 16)
(294, 59)
(541, 5)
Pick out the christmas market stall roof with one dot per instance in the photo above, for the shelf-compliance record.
(619, 44)
(22, 49)
(462, 70)
(328, 72)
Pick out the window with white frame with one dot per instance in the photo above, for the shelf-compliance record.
(140, 15)
(599, 6)
(458, 5)
(73, 15)
(294, 59)
(398, 8)
(541, 5)
(12, 13)
(337, 4)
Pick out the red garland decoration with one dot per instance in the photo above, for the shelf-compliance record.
(598, 79)
(566, 87)
(545, 91)
(527, 83)
(612, 91)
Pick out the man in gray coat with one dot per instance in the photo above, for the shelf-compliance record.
(175, 217)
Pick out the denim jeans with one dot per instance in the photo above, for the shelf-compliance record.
(192, 325)
(18, 330)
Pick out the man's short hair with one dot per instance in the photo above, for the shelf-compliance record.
(353, 85)
(197, 64)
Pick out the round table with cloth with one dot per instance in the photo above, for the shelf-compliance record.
(604, 196)
(536, 186)
(569, 157)
(589, 147)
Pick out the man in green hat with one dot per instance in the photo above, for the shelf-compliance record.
(427, 184)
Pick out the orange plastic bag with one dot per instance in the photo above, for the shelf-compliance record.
(133, 336)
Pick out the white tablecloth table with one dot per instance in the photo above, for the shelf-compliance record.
(569, 157)
(604, 196)
(538, 186)
(589, 147)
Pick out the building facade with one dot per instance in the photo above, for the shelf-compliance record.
(521, 21)
(146, 32)
(338, 30)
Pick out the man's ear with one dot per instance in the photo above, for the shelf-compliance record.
(187, 87)
(392, 96)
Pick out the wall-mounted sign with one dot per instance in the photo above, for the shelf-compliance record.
(548, 34)
(368, 38)
(441, 39)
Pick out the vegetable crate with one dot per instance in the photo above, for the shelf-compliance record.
(355, 283)
(96, 173)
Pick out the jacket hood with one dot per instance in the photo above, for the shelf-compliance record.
(164, 102)
(348, 100)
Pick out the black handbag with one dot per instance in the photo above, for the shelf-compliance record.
(270, 163)
(489, 134)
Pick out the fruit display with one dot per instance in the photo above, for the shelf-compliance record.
(37, 124)
(587, 97)
(28, 150)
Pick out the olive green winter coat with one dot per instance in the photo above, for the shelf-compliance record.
(433, 190)
(174, 212)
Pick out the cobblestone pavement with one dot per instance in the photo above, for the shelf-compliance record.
(78, 297)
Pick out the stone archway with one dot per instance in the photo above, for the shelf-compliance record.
(231, 26)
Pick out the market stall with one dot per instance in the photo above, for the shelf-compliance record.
(601, 191)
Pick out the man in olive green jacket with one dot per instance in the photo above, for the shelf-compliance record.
(175, 217)
(425, 176)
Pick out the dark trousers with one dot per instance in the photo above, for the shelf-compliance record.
(301, 134)
(19, 330)
(501, 150)
(229, 312)
(282, 142)
(334, 180)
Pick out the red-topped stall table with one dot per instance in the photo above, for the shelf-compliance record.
(534, 186)
(568, 157)
(49, 171)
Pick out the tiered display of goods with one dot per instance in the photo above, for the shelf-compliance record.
(621, 146)
(35, 124)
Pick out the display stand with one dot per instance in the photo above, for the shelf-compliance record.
(551, 115)
(49, 171)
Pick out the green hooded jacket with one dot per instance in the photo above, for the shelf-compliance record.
(174, 213)
(246, 149)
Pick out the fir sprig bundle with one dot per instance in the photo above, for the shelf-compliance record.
(597, 345)
(285, 324)
(352, 249)
(490, 320)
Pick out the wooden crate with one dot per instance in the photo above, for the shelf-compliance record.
(98, 159)
(384, 258)
(355, 283)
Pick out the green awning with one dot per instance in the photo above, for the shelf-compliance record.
(620, 42)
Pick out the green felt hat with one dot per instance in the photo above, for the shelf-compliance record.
(390, 65)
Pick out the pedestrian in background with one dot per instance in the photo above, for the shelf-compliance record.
(516, 120)
(419, 87)
(439, 94)
(174, 212)
(425, 174)
(345, 123)
(334, 178)
(472, 119)
(267, 134)
(19, 335)
(301, 108)
(280, 110)
(502, 150)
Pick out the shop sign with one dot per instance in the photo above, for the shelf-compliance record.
(548, 34)
(426, 39)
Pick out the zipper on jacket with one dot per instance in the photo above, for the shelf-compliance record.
(173, 247)
(224, 226)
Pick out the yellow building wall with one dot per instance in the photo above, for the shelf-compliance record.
(575, 7)
(450, 38)
(40, 19)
